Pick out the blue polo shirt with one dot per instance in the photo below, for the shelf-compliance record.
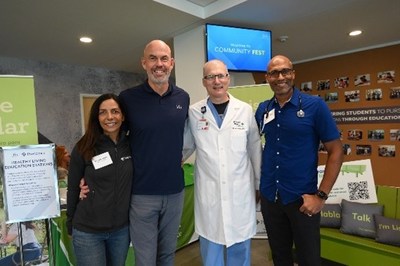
(290, 155)
(156, 124)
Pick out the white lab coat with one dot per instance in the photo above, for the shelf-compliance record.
(227, 171)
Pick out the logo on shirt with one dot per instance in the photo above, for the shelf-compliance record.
(125, 158)
(238, 125)
(178, 106)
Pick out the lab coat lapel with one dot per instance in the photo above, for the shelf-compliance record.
(230, 112)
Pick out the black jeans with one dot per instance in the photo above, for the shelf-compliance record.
(286, 226)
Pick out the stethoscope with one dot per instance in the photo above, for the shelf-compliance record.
(300, 113)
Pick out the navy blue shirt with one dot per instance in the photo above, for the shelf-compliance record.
(290, 155)
(156, 124)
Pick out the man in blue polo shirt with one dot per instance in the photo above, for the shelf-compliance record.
(293, 124)
(155, 115)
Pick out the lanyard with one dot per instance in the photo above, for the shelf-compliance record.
(300, 113)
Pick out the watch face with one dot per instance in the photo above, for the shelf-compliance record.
(322, 195)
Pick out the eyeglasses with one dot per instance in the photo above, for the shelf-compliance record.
(284, 72)
(219, 76)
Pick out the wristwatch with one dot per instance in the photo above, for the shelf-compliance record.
(321, 195)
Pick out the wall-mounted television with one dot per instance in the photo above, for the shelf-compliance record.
(241, 49)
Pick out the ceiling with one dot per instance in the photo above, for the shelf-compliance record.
(48, 30)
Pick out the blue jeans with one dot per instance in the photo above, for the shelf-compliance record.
(238, 254)
(101, 248)
(31, 252)
(154, 223)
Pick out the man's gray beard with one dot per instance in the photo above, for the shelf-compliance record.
(159, 82)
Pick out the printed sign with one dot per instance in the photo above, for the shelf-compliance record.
(17, 111)
(355, 182)
(29, 178)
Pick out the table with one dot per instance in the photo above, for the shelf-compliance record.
(62, 245)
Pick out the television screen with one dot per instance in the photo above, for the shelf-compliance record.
(241, 49)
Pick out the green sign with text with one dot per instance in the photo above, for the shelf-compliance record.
(17, 111)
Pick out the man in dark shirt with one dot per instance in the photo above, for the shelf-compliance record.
(155, 115)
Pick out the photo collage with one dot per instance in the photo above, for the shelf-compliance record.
(362, 89)
(351, 91)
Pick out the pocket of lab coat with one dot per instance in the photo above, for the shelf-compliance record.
(239, 141)
(241, 192)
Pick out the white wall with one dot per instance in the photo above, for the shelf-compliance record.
(241, 79)
(189, 59)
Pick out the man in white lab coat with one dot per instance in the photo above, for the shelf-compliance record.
(223, 131)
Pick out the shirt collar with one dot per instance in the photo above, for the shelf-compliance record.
(149, 89)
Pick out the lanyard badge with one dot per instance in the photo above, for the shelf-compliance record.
(267, 117)
(202, 124)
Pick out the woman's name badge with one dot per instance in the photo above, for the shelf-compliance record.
(202, 124)
(101, 160)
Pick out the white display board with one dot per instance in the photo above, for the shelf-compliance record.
(29, 178)
(355, 182)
